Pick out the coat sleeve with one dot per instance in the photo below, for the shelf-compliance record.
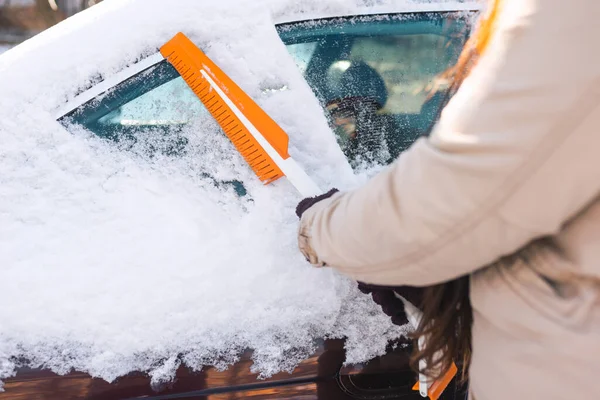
(504, 165)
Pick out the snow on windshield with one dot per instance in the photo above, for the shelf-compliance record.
(114, 261)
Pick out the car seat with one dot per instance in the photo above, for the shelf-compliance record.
(355, 79)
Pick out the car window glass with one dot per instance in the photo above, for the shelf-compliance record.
(156, 99)
(172, 103)
(407, 64)
(302, 53)
(375, 75)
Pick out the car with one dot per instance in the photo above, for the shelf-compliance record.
(371, 71)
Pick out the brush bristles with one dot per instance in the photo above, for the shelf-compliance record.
(260, 162)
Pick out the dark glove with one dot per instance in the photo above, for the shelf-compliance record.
(311, 201)
(390, 304)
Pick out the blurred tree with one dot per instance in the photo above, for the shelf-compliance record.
(47, 9)
(71, 7)
(20, 19)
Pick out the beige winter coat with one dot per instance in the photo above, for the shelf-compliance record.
(506, 189)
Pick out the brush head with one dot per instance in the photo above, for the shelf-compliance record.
(231, 107)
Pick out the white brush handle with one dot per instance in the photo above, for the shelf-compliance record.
(414, 316)
(298, 177)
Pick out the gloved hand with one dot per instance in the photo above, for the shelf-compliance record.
(391, 305)
(304, 237)
(308, 202)
(382, 295)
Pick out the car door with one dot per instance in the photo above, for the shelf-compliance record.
(145, 108)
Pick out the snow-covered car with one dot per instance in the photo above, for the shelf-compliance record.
(137, 246)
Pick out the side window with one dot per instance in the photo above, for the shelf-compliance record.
(302, 53)
(374, 75)
(407, 64)
(170, 104)
(150, 109)
(155, 102)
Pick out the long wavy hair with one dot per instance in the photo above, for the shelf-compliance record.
(447, 315)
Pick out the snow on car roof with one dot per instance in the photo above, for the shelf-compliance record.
(330, 9)
(114, 261)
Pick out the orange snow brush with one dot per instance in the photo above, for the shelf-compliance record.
(262, 143)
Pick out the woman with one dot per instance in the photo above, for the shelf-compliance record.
(498, 209)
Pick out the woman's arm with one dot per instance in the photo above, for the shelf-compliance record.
(512, 158)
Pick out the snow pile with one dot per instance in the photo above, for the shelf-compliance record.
(4, 47)
(113, 261)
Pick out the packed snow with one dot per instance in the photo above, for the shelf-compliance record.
(114, 261)
(4, 47)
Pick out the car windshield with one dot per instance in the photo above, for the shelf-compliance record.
(371, 74)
